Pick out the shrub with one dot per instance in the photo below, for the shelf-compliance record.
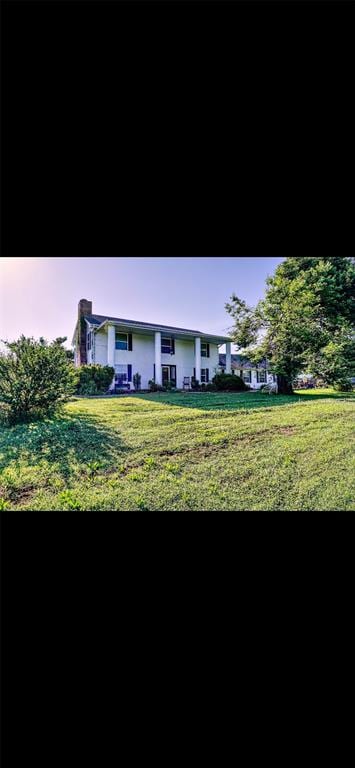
(343, 386)
(36, 379)
(94, 379)
(137, 380)
(229, 383)
(155, 387)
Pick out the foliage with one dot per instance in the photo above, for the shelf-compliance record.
(94, 379)
(137, 379)
(36, 379)
(224, 451)
(304, 323)
(155, 387)
(343, 386)
(227, 382)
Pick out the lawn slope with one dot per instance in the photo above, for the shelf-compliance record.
(185, 452)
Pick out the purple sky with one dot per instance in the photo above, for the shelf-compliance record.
(39, 296)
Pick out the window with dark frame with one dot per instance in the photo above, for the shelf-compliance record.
(261, 376)
(205, 375)
(205, 349)
(122, 341)
(166, 346)
(247, 376)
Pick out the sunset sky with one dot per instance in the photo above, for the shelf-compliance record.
(39, 296)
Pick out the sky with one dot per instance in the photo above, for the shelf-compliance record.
(39, 296)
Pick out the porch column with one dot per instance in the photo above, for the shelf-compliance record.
(158, 371)
(111, 345)
(228, 357)
(198, 358)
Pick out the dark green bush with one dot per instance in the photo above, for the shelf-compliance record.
(227, 382)
(155, 387)
(343, 386)
(94, 379)
(36, 379)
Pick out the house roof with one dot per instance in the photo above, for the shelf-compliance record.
(241, 361)
(100, 320)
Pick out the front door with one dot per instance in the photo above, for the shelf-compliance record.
(166, 375)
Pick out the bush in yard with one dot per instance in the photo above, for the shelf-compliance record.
(227, 382)
(155, 387)
(343, 386)
(94, 379)
(211, 387)
(36, 379)
(137, 380)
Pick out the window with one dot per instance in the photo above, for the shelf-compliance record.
(205, 349)
(89, 340)
(167, 346)
(261, 376)
(247, 376)
(205, 375)
(122, 341)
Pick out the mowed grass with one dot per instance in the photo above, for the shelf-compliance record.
(207, 451)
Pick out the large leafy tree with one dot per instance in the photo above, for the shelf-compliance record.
(36, 378)
(304, 323)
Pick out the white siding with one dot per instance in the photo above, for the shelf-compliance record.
(142, 357)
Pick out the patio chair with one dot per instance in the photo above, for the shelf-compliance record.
(186, 382)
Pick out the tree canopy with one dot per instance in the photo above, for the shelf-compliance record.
(305, 323)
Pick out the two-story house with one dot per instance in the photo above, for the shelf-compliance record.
(157, 352)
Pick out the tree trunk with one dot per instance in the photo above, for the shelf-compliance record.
(284, 386)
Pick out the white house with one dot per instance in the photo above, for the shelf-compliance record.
(253, 375)
(157, 352)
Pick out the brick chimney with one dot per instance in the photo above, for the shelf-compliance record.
(84, 309)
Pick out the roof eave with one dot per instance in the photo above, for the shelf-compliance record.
(220, 340)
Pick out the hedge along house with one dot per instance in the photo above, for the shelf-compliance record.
(161, 353)
(254, 375)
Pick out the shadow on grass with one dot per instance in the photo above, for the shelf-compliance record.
(236, 401)
(66, 442)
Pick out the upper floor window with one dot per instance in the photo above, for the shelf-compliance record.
(89, 340)
(122, 341)
(205, 349)
(167, 346)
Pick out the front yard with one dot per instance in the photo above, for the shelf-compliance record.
(185, 452)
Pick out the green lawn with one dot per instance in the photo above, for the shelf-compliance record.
(185, 452)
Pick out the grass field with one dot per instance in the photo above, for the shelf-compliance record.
(185, 452)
